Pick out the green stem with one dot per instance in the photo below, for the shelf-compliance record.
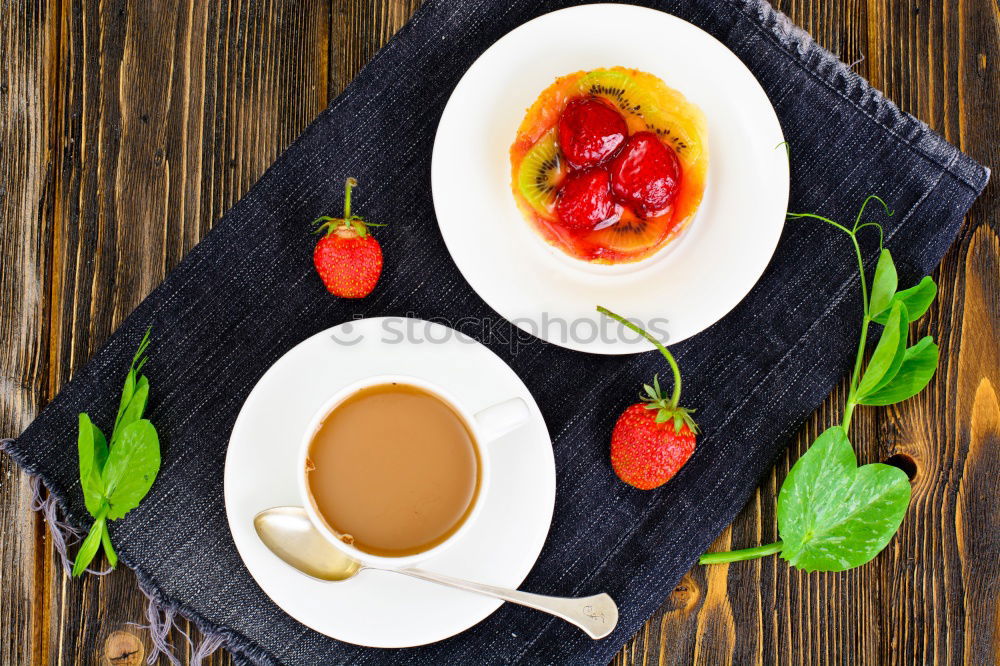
(676, 395)
(350, 185)
(813, 216)
(864, 205)
(881, 233)
(740, 555)
(109, 550)
(865, 320)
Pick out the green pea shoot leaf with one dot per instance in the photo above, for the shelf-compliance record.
(918, 366)
(89, 547)
(888, 355)
(116, 477)
(135, 407)
(884, 284)
(916, 299)
(93, 452)
(131, 382)
(834, 515)
(131, 468)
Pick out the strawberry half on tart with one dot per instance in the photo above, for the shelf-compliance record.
(610, 165)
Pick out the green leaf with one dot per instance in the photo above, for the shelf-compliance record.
(904, 336)
(131, 468)
(916, 299)
(89, 547)
(919, 363)
(109, 550)
(884, 284)
(128, 390)
(888, 355)
(133, 411)
(92, 449)
(834, 515)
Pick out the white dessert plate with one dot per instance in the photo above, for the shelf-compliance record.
(378, 608)
(693, 281)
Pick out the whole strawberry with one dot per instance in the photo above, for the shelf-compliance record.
(652, 439)
(347, 257)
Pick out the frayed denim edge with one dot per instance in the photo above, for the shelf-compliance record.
(827, 68)
(243, 649)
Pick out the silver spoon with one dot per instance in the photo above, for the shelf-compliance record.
(287, 531)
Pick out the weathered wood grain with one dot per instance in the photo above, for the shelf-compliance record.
(358, 29)
(129, 128)
(29, 37)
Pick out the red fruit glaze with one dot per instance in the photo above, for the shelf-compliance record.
(348, 264)
(646, 454)
(590, 131)
(646, 175)
(585, 200)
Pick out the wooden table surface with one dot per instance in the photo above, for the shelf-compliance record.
(128, 128)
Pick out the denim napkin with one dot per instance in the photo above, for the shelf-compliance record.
(247, 293)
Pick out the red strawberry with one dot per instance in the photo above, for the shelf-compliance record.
(590, 131)
(646, 454)
(646, 175)
(347, 257)
(652, 439)
(585, 201)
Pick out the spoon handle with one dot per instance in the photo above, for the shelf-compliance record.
(596, 615)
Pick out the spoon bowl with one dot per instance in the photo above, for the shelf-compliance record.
(287, 531)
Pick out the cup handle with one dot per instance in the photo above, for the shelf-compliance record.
(497, 420)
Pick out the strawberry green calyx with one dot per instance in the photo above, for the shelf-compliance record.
(666, 409)
(669, 409)
(348, 226)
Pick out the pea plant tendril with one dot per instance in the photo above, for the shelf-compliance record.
(832, 514)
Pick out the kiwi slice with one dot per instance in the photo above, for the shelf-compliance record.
(541, 173)
(631, 234)
(672, 133)
(622, 90)
(618, 88)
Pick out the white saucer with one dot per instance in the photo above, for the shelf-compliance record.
(694, 281)
(383, 609)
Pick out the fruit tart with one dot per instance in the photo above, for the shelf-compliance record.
(610, 165)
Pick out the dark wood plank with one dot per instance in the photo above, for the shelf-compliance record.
(360, 28)
(28, 40)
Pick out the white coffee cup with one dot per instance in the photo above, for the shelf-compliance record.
(486, 425)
